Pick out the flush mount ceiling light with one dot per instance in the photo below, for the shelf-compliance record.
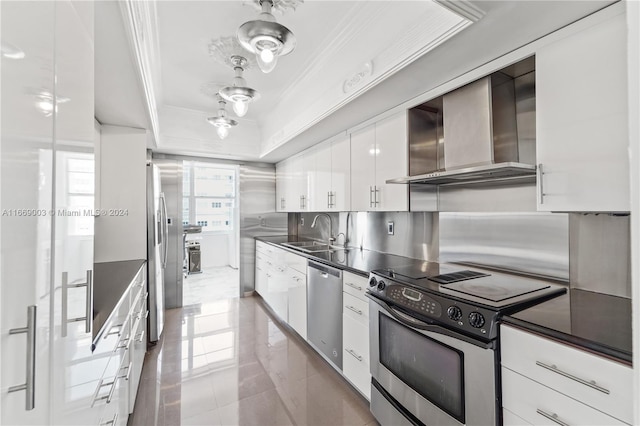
(266, 38)
(239, 93)
(221, 122)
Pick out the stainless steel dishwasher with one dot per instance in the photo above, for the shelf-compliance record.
(324, 311)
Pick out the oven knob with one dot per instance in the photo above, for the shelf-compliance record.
(454, 313)
(381, 285)
(372, 282)
(476, 319)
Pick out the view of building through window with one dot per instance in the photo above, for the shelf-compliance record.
(209, 192)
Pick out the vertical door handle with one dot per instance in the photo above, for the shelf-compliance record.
(370, 196)
(29, 385)
(328, 199)
(541, 187)
(88, 303)
(165, 230)
(376, 191)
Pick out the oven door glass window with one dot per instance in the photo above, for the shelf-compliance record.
(432, 369)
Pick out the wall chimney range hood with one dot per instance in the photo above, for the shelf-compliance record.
(481, 132)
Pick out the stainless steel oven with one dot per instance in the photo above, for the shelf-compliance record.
(433, 339)
(427, 374)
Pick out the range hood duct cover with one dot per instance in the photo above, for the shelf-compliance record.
(481, 140)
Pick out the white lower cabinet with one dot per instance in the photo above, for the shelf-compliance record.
(510, 419)
(121, 351)
(281, 280)
(355, 333)
(547, 382)
(298, 302)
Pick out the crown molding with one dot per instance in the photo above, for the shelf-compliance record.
(427, 31)
(141, 27)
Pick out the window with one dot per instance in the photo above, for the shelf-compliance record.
(209, 192)
(80, 189)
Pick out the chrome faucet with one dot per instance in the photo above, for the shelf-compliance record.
(313, 225)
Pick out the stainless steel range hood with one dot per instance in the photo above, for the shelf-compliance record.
(481, 132)
(483, 173)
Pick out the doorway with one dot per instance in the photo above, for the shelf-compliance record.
(210, 223)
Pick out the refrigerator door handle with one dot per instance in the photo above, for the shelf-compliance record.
(165, 230)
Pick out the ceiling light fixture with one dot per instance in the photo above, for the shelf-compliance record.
(266, 38)
(239, 93)
(221, 122)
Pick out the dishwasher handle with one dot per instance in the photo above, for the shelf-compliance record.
(324, 270)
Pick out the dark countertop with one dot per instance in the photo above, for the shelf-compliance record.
(354, 260)
(110, 282)
(598, 322)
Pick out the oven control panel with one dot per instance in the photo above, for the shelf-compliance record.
(449, 312)
(414, 300)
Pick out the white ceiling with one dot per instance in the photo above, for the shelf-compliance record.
(303, 100)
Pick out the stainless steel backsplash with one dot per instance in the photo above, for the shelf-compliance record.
(415, 234)
(588, 251)
(531, 243)
(600, 253)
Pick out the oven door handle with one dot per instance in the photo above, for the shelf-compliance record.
(409, 321)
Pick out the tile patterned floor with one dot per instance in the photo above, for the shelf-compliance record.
(227, 362)
(217, 283)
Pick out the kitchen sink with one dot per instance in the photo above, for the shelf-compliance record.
(313, 246)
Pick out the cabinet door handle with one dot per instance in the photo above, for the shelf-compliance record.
(111, 422)
(128, 375)
(351, 308)
(553, 417)
(140, 338)
(591, 383)
(328, 199)
(88, 302)
(352, 285)
(370, 196)
(354, 354)
(29, 385)
(541, 186)
(376, 191)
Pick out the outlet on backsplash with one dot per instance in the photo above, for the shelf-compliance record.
(390, 228)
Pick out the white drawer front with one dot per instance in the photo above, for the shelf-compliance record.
(355, 308)
(598, 382)
(357, 372)
(355, 285)
(294, 261)
(510, 419)
(540, 405)
(355, 338)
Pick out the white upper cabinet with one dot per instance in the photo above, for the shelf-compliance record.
(582, 132)
(322, 177)
(379, 152)
(318, 179)
(76, 371)
(363, 168)
(26, 168)
(283, 186)
(341, 174)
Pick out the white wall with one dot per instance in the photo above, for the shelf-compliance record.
(216, 249)
(122, 185)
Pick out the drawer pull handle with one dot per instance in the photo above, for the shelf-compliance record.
(553, 417)
(351, 308)
(591, 383)
(354, 354)
(357, 287)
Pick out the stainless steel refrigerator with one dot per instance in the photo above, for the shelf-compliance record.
(157, 233)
